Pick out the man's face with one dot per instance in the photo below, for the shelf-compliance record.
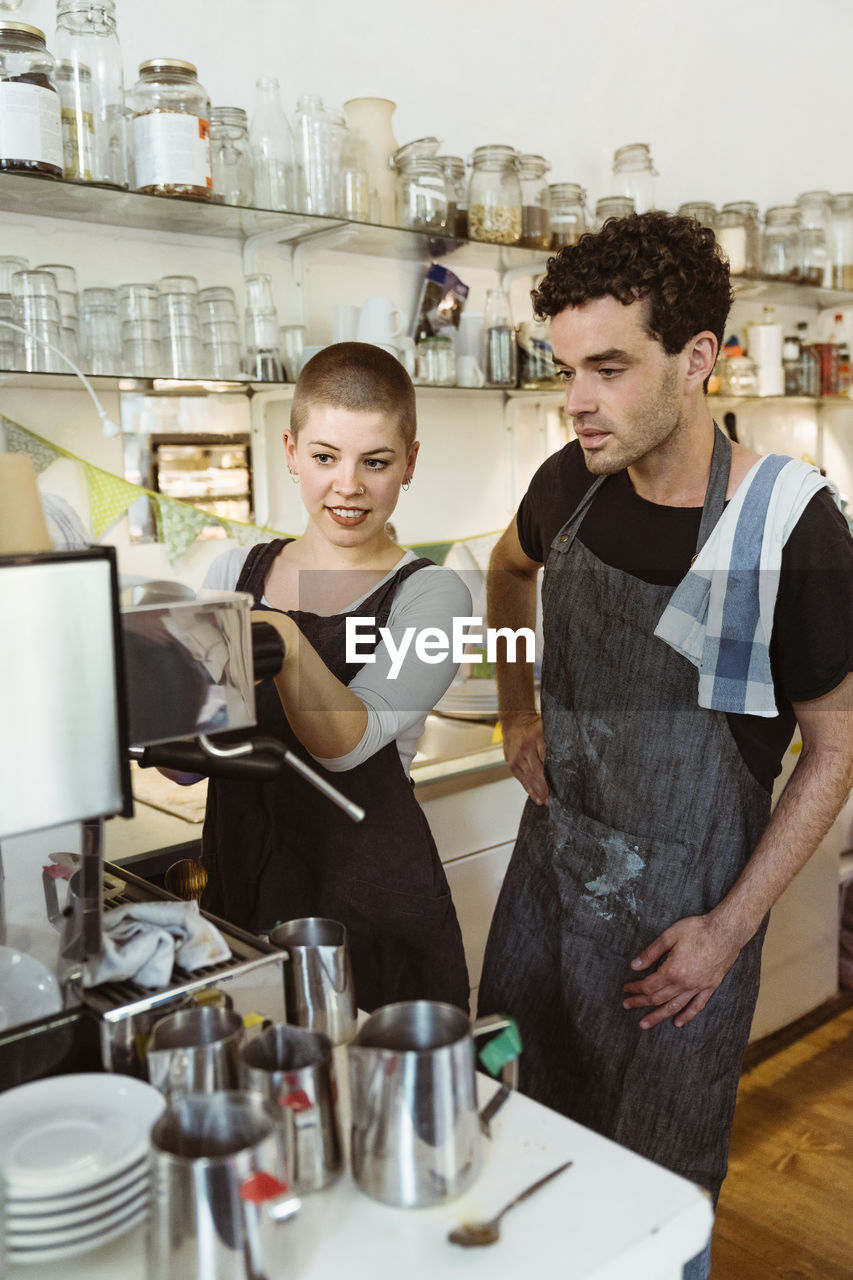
(622, 389)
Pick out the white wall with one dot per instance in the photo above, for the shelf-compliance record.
(738, 102)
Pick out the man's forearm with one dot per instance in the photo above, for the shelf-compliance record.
(511, 602)
(814, 795)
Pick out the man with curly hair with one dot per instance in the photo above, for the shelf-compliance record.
(627, 937)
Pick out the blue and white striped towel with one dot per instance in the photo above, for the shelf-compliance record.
(720, 615)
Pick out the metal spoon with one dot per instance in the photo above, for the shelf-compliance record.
(472, 1234)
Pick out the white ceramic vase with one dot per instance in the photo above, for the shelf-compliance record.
(369, 122)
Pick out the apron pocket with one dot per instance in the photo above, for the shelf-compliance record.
(620, 889)
(412, 917)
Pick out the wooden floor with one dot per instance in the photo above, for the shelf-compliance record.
(786, 1209)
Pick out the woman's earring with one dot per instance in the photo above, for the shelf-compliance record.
(407, 484)
(294, 476)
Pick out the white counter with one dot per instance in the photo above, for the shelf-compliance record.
(612, 1216)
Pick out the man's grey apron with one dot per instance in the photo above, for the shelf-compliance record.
(280, 851)
(651, 817)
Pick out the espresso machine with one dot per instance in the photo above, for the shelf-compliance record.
(91, 676)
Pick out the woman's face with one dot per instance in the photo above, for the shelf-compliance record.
(350, 467)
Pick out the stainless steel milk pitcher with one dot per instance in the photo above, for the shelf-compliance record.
(416, 1137)
(318, 990)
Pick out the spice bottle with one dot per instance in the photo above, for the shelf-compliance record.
(500, 340)
(171, 130)
(809, 363)
(535, 202)
(494, 196)
(93, 115)
(30, 114)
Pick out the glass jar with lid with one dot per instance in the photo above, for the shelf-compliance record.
(494, 196)
(841, 240)
(421, 189)
(634, 175)
(739, 236)
(704, 213)
(535, 202)
(171, 130)
(231, 156)
(457, 196)
(780, 243)
(569, 216)
(536, 369)
(815, 219)
(612, 207)
(87, 39)
(31, 136)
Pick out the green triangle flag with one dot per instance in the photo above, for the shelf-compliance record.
(20, 441)
(178, 524)
(246, 535)
(109, 497)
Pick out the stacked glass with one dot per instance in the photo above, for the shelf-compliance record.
(181, 353)
(66, 282)
(263, 339)
(8, 267)
(100, 334)
(139, 311)
(35, 308)
(220, 333)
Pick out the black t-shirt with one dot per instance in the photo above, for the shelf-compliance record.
(811, 648)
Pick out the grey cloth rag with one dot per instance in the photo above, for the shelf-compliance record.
(143, 941)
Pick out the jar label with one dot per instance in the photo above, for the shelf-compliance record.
(30, 124)
(172, 149)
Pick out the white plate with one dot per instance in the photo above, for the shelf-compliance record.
(84, 1245)
(27, 989)
(68, 1133)
(24, 1206)
(99, 1220)
(41, 1222)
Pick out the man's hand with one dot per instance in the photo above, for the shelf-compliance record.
(524, 749)
(699, 953)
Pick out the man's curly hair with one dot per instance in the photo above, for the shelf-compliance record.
(672, 261)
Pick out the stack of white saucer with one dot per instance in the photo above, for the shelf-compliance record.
(74, 1162)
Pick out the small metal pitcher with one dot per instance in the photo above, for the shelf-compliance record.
(196, 1051)
(218, 1194)
(318, 990)
(415, 1138)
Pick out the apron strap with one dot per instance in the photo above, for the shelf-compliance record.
(718, 483)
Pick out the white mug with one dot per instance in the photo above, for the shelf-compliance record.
(468, 372)
(344, 322)
(379, 321)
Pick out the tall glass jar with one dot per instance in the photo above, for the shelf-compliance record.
(457, 196)
(421, 193)
(78, 121)
(86, 37)
(634, 175)
(780, 243)
(739, 236)
(30, 112)
(312, 143)
(494, 196)
(704, 213)
(171, 130)
(815, 219)
(272, 149)
(535, 202)
(569, 216)
(501, 353)
(841, 241)
(612, 207)
(231, 156)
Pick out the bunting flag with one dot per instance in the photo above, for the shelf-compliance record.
(109, 498)
(42, 452)
(178, 524)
